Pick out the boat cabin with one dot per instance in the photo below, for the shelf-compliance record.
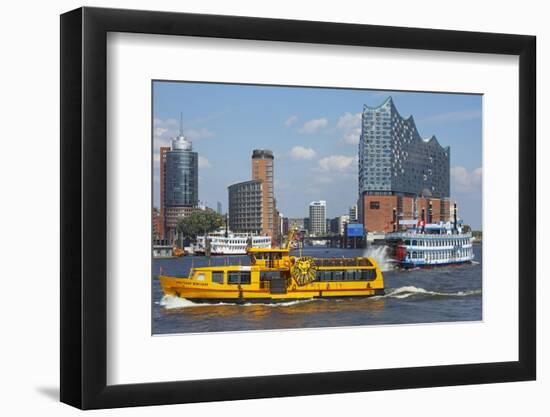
(269, 258)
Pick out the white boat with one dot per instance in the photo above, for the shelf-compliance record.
(222, 243)
(431, 245)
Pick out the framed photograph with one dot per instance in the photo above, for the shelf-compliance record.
(256, 208)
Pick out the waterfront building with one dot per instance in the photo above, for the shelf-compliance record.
(343, 221)
(401, 175)
(338, 225)
(172, 215)
(317, 217)
(245, 207)
(180, 183)
(298, 222)
(156, 223)
(263, 170)
(285, 225)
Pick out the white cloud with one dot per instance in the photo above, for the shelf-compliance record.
(204, 163)
(352, 137)
(300, 152)
(350, 125)
(312, 126)
(338, 164)
(463, 180)
(290, 121)
(349, 121)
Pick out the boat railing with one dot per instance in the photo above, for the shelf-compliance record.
(328, 262)
(428, 235)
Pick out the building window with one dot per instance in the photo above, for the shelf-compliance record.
(374, 205)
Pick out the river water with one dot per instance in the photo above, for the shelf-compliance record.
(443, 294)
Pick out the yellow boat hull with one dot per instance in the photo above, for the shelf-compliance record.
(181, 287)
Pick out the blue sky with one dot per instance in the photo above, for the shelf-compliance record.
(313, 133)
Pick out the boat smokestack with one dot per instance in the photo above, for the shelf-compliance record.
(455, 217)
(227, 225)
(423, 218)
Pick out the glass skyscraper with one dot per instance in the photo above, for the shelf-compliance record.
(395, 159)
(181, 175)
(402, 176)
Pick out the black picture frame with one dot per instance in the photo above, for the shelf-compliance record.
(84, 207)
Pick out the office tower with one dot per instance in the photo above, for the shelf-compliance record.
(245, 207)
(317, 217)
(180, 183)
(262, 169)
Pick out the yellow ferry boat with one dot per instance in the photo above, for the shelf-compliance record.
(275, 276)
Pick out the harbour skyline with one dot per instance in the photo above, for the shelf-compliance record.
(314, 134)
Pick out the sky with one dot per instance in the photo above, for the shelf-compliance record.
(314, 134)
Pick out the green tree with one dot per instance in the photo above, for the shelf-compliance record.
(199, 222)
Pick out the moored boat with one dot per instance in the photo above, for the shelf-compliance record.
(228, 243)
(273, 275)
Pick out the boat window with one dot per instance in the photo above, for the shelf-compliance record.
(337, 275)
(349, 275)
(217, 277)
(414, 255)
(269, 275)
(324, 275)
(368, 274)
(238, 277)
(414, 243)
(200, 277)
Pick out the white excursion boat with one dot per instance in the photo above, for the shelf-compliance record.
(222, 243)
(426, 245)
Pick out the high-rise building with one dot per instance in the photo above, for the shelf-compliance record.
(353, 214)
(401, 175)
(219, 207)
(162, 210)
(245, 207)
(317, 217)
(180, 183)
(262, 169)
